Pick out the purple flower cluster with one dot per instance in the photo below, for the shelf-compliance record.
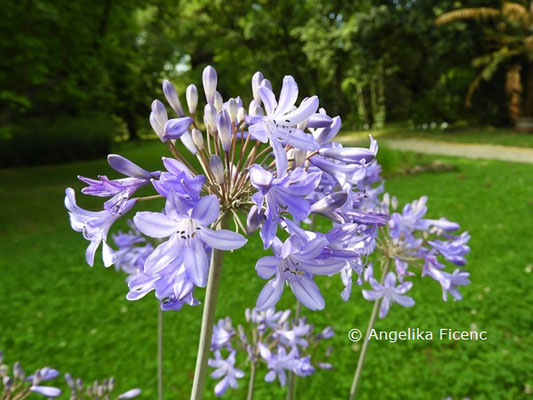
(409, 242)
(97, 390)
(289, 171)
(269, 338)
(17, 385)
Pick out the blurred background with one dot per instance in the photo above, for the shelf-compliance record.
(451, 78)
(77, 76)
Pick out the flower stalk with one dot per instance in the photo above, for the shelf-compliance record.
(159, 353)
(366, 342)
(208, 318)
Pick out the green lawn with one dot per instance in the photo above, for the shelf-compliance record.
(55, 310)
(485, 135)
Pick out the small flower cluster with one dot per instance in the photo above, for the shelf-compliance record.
(19, 386)
(97, 390)
(270, 337)
(408, 242)
(269, 169)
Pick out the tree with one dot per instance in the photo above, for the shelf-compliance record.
(512, 42)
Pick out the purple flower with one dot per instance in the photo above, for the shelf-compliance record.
(133, 250)
(130, 394)
(225, 371)
(304, 367)
(180, 180)
(188, 235)
(410, 219)
(48, 391)
(295, 262)
(279, 124)
(453, 250)
(222, 333)
(120, 190)
(457, 278)
(269, 318)
(279, 362)
(296, 335)
(279, 195)
(94, 226)
(389, 293)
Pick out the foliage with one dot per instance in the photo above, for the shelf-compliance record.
(42, 141)
(512, 45)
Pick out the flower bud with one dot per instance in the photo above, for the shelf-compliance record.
(218, 102)
(256, 81)
(18, 372)
(233, 108)
(192, 98)
(8, 384)
(241, 113)
(187, 141)
(209, 79)
(172, 97)
(210, 115)
(70, 381)
(197, 138)
(254, 219)
(217, 168)
(224, 128)
(158, 119)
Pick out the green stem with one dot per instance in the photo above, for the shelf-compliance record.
(366, 342)
(159, 353)
(253, 370)
(291, 384)
(208, 317)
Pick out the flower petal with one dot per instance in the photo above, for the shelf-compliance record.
(270, 294)
(287, 96)
(196, 263)
(154, 224)
(222, 239)
(266, 266)
(206, 210)
(126, 167)
(269, 100)
(307, 108)
(307, 292)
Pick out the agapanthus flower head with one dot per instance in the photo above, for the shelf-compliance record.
(271, 339)
(20, 386)
(276, 166)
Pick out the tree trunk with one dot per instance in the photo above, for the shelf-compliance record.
(528, 94)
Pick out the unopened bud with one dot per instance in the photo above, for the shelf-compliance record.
(209, 79)
(198, 139)
(254, 219)
(210, 115)
(192, 98)
(224, 129)
(217, 168)
(158, 119)
(218, 102)
(256, 81)
(241, 113)
(233, 109)
(187, 141)
(172, 97)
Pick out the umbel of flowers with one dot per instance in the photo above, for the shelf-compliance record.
(270, 167)
(17, 386)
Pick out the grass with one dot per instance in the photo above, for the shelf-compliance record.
(484, 135)
(55, 310)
